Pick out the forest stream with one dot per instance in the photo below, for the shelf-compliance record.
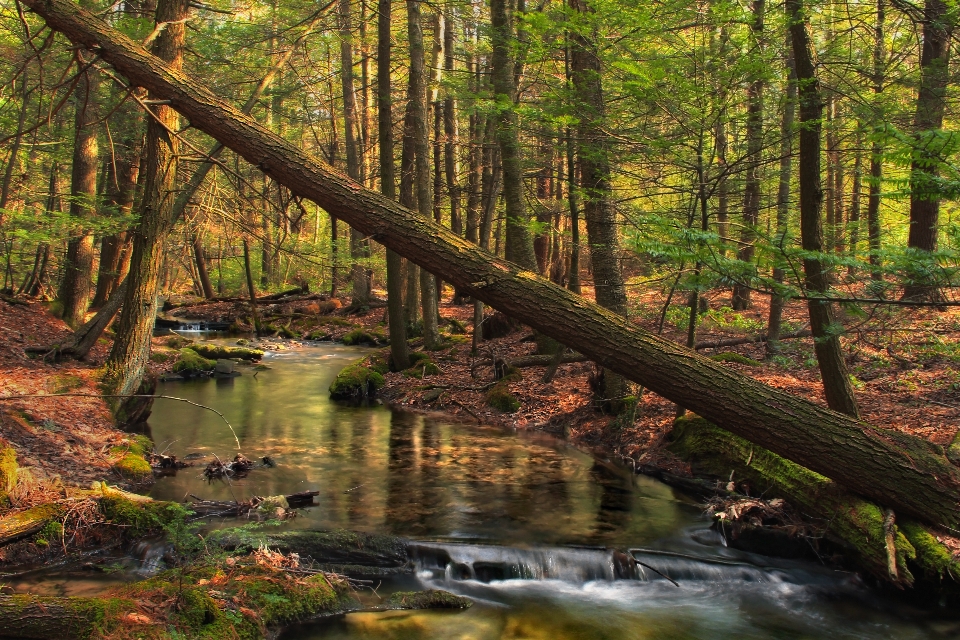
(522, 523)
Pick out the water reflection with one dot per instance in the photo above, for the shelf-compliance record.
(403, 473)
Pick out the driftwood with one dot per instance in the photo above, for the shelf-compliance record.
(901, 472)
(225, 509)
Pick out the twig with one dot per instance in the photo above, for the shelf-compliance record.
(134, 395)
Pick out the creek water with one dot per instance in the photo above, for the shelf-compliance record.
(522, 523)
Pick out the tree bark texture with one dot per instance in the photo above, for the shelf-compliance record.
(519, 242)
(74, 293)
(938, 22)
(906, 473)
(131, 349)
(833, 368)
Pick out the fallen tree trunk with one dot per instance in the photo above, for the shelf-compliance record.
(80, 343)
(732, 342)
(45, 617)
(20, 525)
(905, 473)
(883, 545)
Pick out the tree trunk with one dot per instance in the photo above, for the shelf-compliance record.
(519, 243)
(751, 191)
(131, 349)
(200, 257)
(900, 471)
(833, 368)
(417, 94)
(876, 151)
(74, 293)
(598, 207)
(399, 350)
(853, 220)
(783, 200)
(938, 23)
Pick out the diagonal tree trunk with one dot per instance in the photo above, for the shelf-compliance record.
(896, 470)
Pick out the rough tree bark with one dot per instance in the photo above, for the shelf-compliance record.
(906, 473)
(131, 349)
(74, 292)
(939, 18)
(399, 350)
(833, 368)
(876, 151)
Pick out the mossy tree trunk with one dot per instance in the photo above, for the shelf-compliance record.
(899, 471)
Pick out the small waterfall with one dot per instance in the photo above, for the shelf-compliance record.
(488, 563)
(149, 554)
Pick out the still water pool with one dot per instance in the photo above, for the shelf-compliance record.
(532, 529)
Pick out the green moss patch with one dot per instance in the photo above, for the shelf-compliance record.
(140, 518)
(218, 352)
(731, 356)
(429, 599)
(421, 369)
(190, 363)
(362, 336)
(500, 398)
(355, 382)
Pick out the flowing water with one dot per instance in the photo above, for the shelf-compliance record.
(541, 535)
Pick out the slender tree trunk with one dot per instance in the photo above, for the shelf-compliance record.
(421, 142)
(74, 293)
(853, 220)
(203, 275)
(131, 349)
(783, 200)
(408, 198)
(876, 152)
(519, 243)
(938, 22)
(833, 368)
(121, 189)
(399, 350)
(573, 197)
(751, 192)
(913, 478)
(598, 206)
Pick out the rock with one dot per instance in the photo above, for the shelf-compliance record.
(432, 394)
(429, 599)
(224, 367)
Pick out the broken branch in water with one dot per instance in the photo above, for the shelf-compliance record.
(134, 395)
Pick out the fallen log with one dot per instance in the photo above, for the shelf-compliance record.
(25, 523)
(906, 473)
(79, 344)
(732, 342)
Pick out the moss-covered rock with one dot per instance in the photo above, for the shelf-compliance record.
(219, 352)
(131, 459)
(500, 398)
(362, 336)
(356, 382)
(429, 599)
(190, 364)
(319, 334)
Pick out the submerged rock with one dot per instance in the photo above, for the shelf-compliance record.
(429, 599)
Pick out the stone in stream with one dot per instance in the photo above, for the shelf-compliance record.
(224, 367)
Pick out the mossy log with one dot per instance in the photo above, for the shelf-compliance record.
(877, 545)
(45, 617)
(907, 474)
(25, 523)
(219, 352)
(336, 550)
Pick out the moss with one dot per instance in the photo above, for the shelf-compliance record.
(140, 519)
(51, 532)
(932, 556)
(851, 521)
(456, 326)
(64, 383)
(730, 356)
(512, 374)
(356, 381)
(133, 464)
(362, 336)
(8, 469)
(380, 361)
(161, 357)
(218, 352)
(421, 369)
(429, 599)
(319, 334)
(336, 322)
(500, 398)
(190, 363)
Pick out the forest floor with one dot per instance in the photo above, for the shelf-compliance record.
(905, 364)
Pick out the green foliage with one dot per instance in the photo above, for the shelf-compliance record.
(362, 336)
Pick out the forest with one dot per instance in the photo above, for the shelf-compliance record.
(715, 245)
